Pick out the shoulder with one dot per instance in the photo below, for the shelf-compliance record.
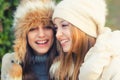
(103, 58)
(6, 64)
(109, 42)
(9, 67)
(8, 57)
(112, 71)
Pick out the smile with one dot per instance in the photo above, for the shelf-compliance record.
(63, 41)
(41, 41)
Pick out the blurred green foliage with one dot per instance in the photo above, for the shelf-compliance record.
(113, 18)
(7, 8)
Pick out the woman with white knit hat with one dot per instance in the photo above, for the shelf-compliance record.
(34, 44)
(90, 51)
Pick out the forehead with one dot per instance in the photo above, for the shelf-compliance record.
(58, 20)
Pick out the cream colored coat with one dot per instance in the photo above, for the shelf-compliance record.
(102, 61)
(11, 70)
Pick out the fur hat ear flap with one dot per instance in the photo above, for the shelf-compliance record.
(20, 49)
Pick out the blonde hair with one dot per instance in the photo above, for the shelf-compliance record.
(70, 62)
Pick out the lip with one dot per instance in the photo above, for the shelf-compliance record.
(63, 42)
(42, 43)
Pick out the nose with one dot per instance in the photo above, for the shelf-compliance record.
(59, 33)
(41, 33)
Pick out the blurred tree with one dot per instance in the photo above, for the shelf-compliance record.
(7, 8)
(0, 26)
(113, 18)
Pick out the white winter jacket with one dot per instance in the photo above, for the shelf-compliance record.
(10, 70)
(102, 62)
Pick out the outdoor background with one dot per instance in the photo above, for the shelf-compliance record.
(7, 8)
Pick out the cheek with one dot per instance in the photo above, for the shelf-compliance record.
(30, 37)
(51, 36)
(68, 33)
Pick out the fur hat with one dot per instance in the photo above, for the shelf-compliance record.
(87, 15)
(29, 13)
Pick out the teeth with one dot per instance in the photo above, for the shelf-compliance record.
(63, 41)
(42, 42)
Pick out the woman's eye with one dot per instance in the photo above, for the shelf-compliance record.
(48, 27)
(32, 29)
(64, 25)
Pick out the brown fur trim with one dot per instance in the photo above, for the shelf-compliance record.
(29, 14)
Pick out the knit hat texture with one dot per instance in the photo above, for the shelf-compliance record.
(87, 15)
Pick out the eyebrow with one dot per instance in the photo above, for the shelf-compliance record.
(62, 21)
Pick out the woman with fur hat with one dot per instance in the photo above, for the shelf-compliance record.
(90, 50)
(35, 43)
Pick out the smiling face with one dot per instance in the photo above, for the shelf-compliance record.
(63, 34)
(41, 38)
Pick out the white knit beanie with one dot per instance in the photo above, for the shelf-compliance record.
(88, 15)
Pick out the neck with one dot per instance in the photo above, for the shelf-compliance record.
(39, 58)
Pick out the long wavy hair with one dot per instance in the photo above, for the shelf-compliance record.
(70, 62)
(31, 13)
(28, 73)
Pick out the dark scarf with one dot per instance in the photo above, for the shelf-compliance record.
(39, 67)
